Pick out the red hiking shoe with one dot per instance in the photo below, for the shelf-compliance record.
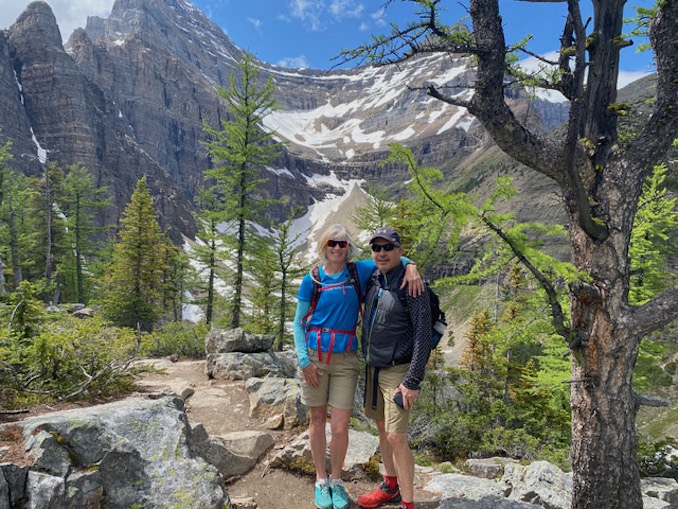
(381, 495)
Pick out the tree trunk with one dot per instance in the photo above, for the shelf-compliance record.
(3, 291)
(604, 407)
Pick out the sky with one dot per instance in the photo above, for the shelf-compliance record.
(310, 33)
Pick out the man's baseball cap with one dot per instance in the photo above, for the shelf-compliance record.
(386, 233)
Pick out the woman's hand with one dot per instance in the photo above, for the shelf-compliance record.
(311, 375)
(413, 281)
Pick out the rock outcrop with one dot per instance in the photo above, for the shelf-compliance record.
(133, 453)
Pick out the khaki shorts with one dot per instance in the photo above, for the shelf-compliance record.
(338, 381)
(396, 419)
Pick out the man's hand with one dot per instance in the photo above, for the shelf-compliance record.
(409, 396)
(413, 281)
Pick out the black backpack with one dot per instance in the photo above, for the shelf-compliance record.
(438, 322)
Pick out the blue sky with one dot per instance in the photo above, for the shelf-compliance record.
(308, 33)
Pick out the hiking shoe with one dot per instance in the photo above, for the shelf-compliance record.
(379, 496)
(323, 496)
(339, 497)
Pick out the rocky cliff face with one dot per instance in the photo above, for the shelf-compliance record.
(129, 94)
(58, 109)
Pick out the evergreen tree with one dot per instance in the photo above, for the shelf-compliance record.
(288, 268)
(377, 212)
(174, 278)
(207, 253)
(25, 312)
(242, 148)
(275, 265)
(80, 201)
(656, 219)
(262, 267)
(134, 283)
(18, 227)
(5, 175)
(50, 230)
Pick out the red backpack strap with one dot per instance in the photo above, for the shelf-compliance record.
(315, 278)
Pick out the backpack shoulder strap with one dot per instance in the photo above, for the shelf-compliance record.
(355, 279)
(315, 278)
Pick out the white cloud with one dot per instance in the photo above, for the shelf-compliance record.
(535, 65)
(299, 62)
(309, 11)
(626, 77)
(346, 9)
(379, 17)
(256, 23)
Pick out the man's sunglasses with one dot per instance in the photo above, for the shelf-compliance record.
(341, 243)
(386, 247)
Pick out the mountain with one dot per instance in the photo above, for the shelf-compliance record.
(128, 96)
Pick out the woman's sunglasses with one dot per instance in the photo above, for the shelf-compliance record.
(341, 243)
(386, 247)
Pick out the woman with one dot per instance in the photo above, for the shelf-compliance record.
(326, 347)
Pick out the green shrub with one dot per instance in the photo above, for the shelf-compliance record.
(68, 358)
(176, 338)
(657, 458)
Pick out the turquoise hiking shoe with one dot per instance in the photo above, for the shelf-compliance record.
(339, 497)
(323, 496)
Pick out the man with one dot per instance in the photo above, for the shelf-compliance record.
(396, 342)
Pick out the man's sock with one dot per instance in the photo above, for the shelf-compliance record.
(406, 505)
(392, 481)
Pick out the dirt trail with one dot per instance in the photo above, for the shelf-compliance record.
(223, 407)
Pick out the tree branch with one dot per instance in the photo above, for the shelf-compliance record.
(654, 314)
(557, 315)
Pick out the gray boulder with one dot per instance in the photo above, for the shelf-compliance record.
(276, 402)
(233, 454)
(135, 452)
(237, 340)
(361, 447)
(539, 485)
(241, 366)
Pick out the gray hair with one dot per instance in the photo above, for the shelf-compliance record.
(336, 232)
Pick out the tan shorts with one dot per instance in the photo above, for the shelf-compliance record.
(338, 381)
(396, 419)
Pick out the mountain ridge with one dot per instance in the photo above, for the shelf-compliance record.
(127, 96)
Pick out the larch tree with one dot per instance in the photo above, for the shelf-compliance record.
(600, 176)
(81, 199)
(18, 226)
(207, 252)
(5, 175)
(241, 149)
(50, 226)
(288, 267)
(134, 283)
